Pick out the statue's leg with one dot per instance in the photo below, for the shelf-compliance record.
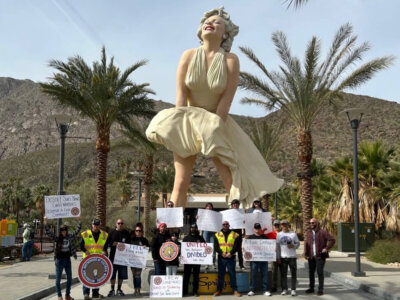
(224, 173)
(183, 171)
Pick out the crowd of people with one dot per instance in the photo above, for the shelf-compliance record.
(228, 245)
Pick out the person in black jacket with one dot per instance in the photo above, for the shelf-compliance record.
(118, 235)
(161, 236)
(138, 239)
(235, 205)
(65, 248)
(195, 237)
(172, 266)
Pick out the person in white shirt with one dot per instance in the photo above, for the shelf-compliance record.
(286, 244)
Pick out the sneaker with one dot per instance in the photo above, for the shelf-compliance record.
(86, 297)
(310, 291)
(217, 293)
(293, 293)
(110, 293)
(320, 293)
(268, 294)
(251, 293)
(237, 294)
(284, 292)
(120, 293)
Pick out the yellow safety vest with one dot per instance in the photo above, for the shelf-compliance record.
(228, 245)
(91, 245)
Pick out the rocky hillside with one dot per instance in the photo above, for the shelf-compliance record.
(29, 139)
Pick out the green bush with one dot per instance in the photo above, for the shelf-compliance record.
(384, 251)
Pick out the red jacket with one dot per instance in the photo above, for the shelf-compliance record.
(323, 240)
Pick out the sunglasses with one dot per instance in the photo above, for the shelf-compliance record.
(63, 229)
(170, 205)
(225, 224)
(138, 230)
(256, 201)
(120, 223)
(312, 223)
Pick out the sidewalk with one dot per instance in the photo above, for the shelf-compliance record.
(24, 280)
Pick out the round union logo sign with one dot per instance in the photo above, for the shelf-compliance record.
(75, 211)
(169, 251)
(95, 270)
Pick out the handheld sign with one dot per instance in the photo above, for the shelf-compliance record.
(259, 250)
(62, 206)
(263, 218)
(209, 220)
(173, 216)
(197, 253)
(169, 251)
(131, 255)
(235, 217)
(166, 286)
(95, 270)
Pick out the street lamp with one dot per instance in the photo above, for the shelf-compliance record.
(276, 205)
(139, 174)
(354, 115)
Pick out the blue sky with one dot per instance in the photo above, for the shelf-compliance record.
(33, 32)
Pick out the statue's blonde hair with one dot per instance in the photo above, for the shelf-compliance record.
(231, 29)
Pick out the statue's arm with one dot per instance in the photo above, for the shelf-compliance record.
(181, 88)
(232, 65)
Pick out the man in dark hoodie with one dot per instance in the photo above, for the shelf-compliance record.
(161, 236)
(195, 237)
(317, 244)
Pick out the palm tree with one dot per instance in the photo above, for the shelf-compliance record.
(164, 181)
(295, 3)
(105, 95)
(268, 140)
(39, 192)
(300, 92)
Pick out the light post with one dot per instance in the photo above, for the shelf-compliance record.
(354, 115)
(139, 174)
(276, 206)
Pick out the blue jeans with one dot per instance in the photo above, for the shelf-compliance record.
(159, 268)
(27, 250)
(171, 270)
(209, 238)
(63, 263)
(223, 263)
(263, 267)
(137, 280)
(86, 291)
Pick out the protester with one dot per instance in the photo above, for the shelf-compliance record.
(195, 237)
(256, 207)
(92, 242)
(172, 266)
(118, 235)
(317, 244)
(287, 242)
(209, 235)
(161, 236)
(226, 244)
(28, 241)
(64, 249)
(235, 205)
(256, 266)
(275, 268)
(138, 239)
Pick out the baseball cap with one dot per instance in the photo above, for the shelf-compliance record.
(235, 201)
(96, 222)
(284, 221)
(276, 222)
(257, 226)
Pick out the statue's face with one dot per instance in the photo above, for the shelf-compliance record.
(214, 25)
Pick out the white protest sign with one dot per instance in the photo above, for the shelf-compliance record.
(209, 220)
(131, 255)
(62, 206)
(263, 218)
(197, 253)
(235, 217)
(173, 216)
(166, 286)
(259, 250)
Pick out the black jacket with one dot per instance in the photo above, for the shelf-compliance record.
(156, 243)
(139, 241)
(175, 262)
(58, 241)
(122, 236)
(195, 238)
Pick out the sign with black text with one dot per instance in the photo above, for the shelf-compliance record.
(196, 253)
(62, 206)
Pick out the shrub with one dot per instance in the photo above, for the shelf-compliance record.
(384, 251)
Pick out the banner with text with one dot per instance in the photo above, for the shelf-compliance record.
(263, 218)
(209, 220)
(173, 216)
(62, 206)
(259, 250)
(196, 253)
(131, 255)
(235, 217)
(166, 286)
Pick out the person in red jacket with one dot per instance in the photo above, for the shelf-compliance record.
(317, 244)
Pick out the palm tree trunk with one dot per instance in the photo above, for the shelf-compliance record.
(148, 180)
(265, 201)
(304, 153)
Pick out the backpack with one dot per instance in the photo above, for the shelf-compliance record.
(32, 234)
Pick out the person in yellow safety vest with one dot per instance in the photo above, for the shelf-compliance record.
(226, 244)
(92, 242)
